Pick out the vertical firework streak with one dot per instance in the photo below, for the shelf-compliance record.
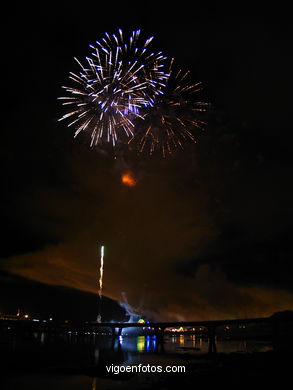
(101, 283)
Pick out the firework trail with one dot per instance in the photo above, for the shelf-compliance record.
(119, 78)
(174, 118)
(99, 318)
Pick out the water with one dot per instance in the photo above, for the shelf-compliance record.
(78, 362)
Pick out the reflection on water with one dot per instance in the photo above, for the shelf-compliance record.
(194, 344)
(143, 343)
(45, 358)
(140, 343)
(94, 386)
(82, 354)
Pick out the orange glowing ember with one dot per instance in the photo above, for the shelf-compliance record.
(128, 179)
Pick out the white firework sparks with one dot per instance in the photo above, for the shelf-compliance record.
(119, 78)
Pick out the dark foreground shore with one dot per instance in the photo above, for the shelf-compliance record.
(220, 369)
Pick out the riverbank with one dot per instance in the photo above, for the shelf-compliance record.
(224, 369)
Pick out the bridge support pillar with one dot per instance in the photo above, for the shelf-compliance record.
(116, 333)
(212, 339)
(113, 332)
(159, 332)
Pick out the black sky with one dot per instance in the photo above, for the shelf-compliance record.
(216, 221)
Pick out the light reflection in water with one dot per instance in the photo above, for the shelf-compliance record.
(193, 339)
(243, 345)
(94, 384)
(97, 355)
(146, 343)
(42, 340)
(140, 343)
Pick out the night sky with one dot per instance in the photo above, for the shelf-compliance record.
(204, 234)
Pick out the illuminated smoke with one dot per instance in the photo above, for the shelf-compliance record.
(128, 179)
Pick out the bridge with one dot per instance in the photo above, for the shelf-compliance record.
(160, 327)
(275, 324)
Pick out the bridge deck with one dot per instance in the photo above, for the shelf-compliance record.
(176, 324)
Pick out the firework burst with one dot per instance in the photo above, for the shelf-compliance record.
(174, 118)
(120, 77)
